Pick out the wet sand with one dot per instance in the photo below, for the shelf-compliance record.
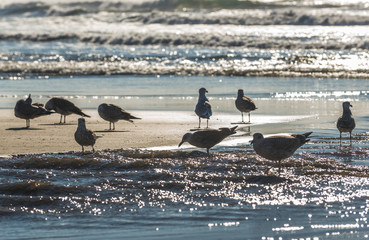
(163, 128)
(156, 128)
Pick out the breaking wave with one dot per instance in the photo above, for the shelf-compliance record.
(200, 12)
(209, 40)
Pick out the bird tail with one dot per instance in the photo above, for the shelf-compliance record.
(307, 134)
(37, 104)
(84, 115)
(303, 137)
(44, 112)
(133, 117)
(229, 131)
(233, 130)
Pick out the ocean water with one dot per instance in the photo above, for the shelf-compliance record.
(299, 60)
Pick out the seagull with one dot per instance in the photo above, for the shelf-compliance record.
(24, 109)
(203, 107)
(346, 123)
(277, 148)
(113, 113)
(244, 104)
(84, 136)
(207, 138)
(64, 107)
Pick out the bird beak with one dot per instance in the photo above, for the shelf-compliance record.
(180, 143)
(252, 142)
(351, 105)
(206, 91)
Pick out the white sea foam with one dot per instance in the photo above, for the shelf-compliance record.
(265, 38)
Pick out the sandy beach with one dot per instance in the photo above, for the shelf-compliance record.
(159, 128)
(156, 128)
(46, 135)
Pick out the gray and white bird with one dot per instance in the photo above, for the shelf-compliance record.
(24, 109)
(277, 148)
(244, 104)
(64, 107)
(113, 113)
(346, 123)
(207, 138)
(203, 107)
(84, 136)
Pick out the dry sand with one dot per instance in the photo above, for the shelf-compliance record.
(156, 128)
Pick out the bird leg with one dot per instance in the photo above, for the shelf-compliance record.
(65, 116)
(109, 125)
(249, 117)
(199, 121)
(242, 117)
(207, 150)
(28, 123)
(61, 117)
(83, 150)
(93, 149)
(113, 125)
(340, 138)
(207, 123)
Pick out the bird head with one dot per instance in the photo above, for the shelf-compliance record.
(346, 105)
(50, 104)
(81, 122)
(185, 138)
(240, 92)
(257, 137)
(29, 99)
(202, 91)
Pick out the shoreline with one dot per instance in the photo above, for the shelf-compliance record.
(46, 135)
(156, 129)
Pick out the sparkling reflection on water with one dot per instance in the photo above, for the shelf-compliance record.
(161, 194)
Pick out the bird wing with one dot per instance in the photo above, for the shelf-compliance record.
(68, 106)
(346, 123)
(203, 109)
(117, 112)
(27, 111)
(207, 138)
(281, 146)
(245, 104)
(63, 103)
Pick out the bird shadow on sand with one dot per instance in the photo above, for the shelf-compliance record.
(23, 128)
(109, 131)
(242, 123)
(58, 124)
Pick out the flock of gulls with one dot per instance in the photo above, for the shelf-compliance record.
(275, 148)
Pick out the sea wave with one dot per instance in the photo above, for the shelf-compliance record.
(208, 40)
(283, 64)
(198, 12)
(288, 16)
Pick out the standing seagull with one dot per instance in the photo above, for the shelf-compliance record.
(24, 109)
(64, 107)
(207, 138)
(203, 107)
(277, 148)
(244, 104)
(84, 136)
(113, 113)
(346, 123)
